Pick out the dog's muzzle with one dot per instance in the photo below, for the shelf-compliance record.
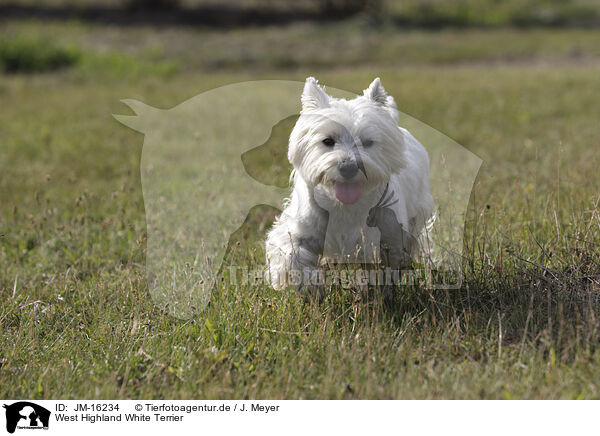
(348, 169)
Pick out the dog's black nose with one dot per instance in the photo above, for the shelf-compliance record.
(348, 169)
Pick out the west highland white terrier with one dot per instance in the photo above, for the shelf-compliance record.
(360, 189)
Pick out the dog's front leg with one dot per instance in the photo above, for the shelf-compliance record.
(293, 260)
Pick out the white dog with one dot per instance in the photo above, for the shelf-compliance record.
(360, 188)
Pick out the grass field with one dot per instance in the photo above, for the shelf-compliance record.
(76, 319)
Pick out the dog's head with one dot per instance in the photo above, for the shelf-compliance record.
(348, 146)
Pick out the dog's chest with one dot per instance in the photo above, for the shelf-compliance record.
(348, 239)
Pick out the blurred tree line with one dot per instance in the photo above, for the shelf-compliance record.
(416, 13)
(325, 6)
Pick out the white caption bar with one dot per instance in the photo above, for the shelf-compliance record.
(264, 417)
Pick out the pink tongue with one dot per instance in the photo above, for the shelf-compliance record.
(347, 193)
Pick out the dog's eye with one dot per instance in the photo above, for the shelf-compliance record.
(329, 142)
(367, 143)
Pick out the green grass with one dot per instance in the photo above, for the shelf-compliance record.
(494, 13)
(303, 46)
(23, 55)
(76, 318)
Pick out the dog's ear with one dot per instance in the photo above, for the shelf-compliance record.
(313, 96)
(378, 94)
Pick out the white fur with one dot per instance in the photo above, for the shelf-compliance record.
(314, 221)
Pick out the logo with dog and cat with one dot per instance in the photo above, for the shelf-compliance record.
(217, 165)
(25, 415)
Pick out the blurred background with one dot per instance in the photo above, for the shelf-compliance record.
(163, 37)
